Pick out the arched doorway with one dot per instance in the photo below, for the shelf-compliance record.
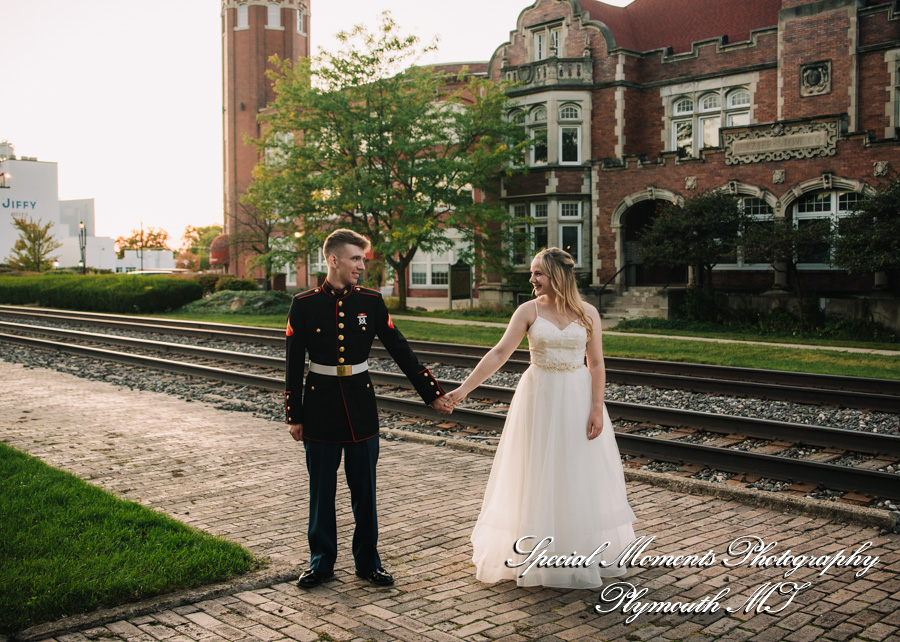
(637, 273)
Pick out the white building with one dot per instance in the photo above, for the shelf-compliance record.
(134, 260)
(30, 188)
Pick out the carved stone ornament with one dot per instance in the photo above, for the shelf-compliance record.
(815, 78)
(780, 142)
(777, 176)
(881, 168)
(690, 182)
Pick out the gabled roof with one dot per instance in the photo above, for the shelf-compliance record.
(645, 25)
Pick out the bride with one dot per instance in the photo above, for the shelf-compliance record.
(556, 486)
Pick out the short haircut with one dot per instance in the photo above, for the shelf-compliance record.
(339, 238)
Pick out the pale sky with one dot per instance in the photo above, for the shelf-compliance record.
(127, 96)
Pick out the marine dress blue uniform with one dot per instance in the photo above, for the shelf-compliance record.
(336, 405)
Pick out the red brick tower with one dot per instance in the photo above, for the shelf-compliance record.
(252, 31)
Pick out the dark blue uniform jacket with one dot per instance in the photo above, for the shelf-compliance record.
(337, 327)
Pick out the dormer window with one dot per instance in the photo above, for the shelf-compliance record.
(547, 43)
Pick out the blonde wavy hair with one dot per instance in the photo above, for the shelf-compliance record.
(560, 267)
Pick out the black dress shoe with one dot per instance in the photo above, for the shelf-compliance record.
(377, 576)
(311, 578)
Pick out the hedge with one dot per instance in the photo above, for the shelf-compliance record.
(100, 293)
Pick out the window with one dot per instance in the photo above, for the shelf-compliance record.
(300, 27)
(569, 112)
(432, 269)
(243, 16)
(555, 42)
(539, 146)
(570, 241)
(317, 264)
(761, 213)
(547, 43)
(815, 208)
(570, 210)
(570, 144)
(274, 15)
(540, 45)
(693, 128)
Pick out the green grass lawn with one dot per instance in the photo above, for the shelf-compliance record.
(727, 354)
(750, 335)
(67, 547)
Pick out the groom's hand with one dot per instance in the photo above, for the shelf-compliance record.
(441, 405)
(296, 431)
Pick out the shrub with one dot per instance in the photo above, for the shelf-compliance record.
(234, 283)
(100, 293)
(700, 305)
(208, 282)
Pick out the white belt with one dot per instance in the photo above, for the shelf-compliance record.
(339, 371)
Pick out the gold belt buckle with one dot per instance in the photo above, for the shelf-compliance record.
(344, 371)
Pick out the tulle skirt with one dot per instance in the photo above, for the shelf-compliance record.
(548, 480)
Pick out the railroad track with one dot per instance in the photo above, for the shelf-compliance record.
(880, 395)
(682, 428)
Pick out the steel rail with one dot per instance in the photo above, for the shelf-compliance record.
(839, 477)
(802, 434)
(854, 392)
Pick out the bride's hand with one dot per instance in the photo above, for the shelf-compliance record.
(595, 424)
(454, 397)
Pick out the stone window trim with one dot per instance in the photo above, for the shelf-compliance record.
(560, 118)
(736, 93)
(838, 185)
(695, 119)
(548, 223)
(892, 104)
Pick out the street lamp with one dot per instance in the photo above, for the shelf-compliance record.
(82, 242)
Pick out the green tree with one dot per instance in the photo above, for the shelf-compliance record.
(197, 241)
(783, 245)
(151, 238)
(31, 251)
(361, 139)
(699, 234)
(868, 240)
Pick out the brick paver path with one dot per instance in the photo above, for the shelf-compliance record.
(240, 477)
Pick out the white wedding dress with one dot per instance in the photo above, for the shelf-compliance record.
(548, 479)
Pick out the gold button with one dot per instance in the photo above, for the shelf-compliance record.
(357, 288)
(340, 303)
(289, 407)
(342, 348)
(341, 360)
(432, 383)
(341, 326)
(425, 374)
(312, 387)
(364, 327)
(340, 314)
(368, 385)
(340, 337)
(317, 289)
(318, 329)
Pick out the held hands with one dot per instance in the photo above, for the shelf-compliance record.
(448, 402)
(441, 405)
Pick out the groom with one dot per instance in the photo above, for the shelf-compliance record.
(335, 413)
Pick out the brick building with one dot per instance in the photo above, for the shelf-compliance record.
(791, 105)
(252, 31)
